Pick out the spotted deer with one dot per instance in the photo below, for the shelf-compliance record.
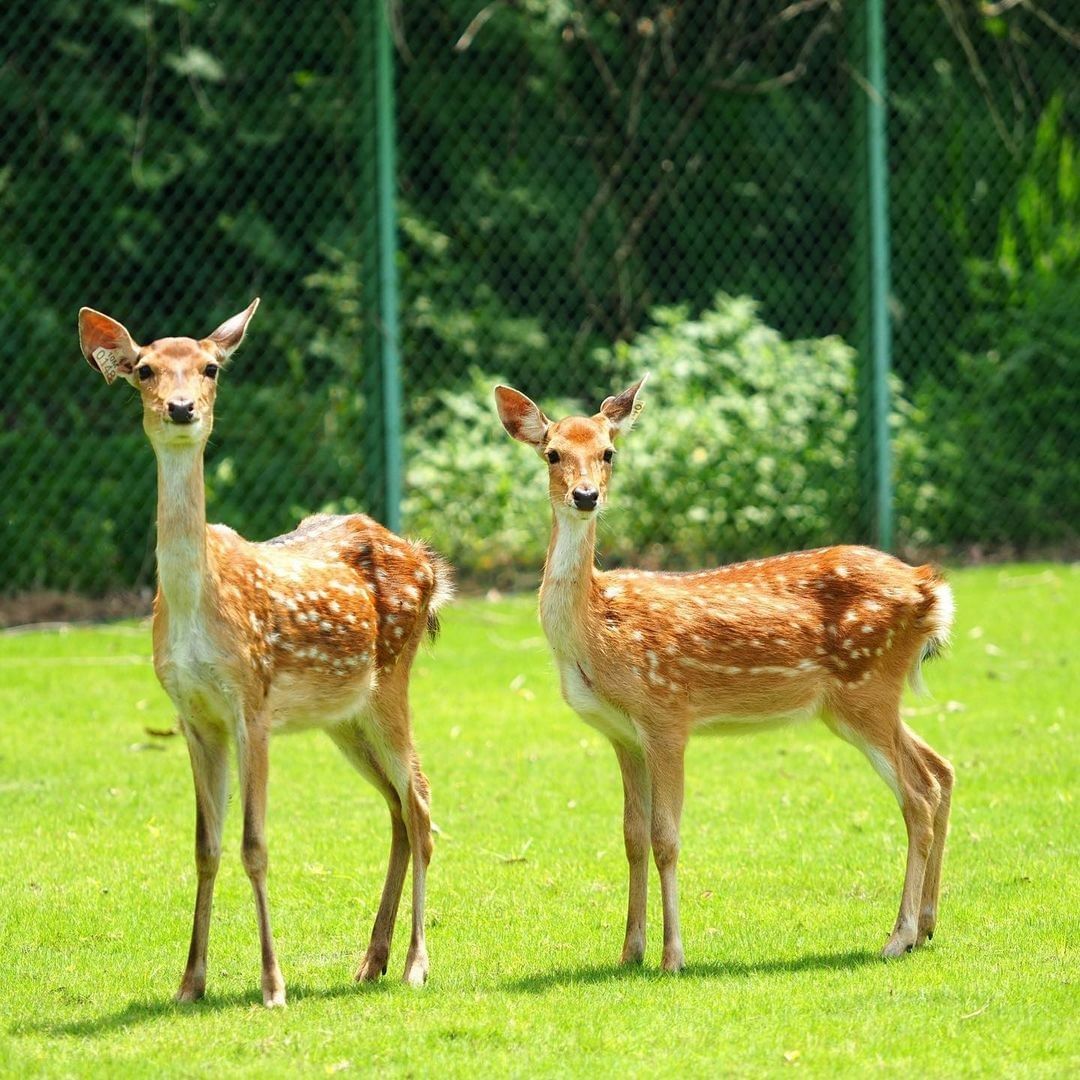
(314, 629)
(649, 659)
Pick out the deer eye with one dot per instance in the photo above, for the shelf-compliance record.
(553, 456)
(210, 371)
(145, 371)
(609, 455)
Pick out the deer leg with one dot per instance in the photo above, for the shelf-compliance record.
(943, 774)
(351, 741)
(895, 755)
(919, 800)
(637, 811)
(394, 752)
(665, 765)
(254, 756)
(418, 823)
(209, 753)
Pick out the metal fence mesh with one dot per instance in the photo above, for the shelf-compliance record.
(587, 188)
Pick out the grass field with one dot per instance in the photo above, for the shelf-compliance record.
(790, 877)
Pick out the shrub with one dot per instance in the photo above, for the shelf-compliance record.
(746, 445)
(1011, 401)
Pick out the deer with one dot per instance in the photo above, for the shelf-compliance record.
(317, 628)
(650, 658)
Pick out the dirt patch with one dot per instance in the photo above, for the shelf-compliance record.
(46, 606)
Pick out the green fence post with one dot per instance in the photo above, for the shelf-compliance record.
(378, 238)
(873, 278)
(388, 285)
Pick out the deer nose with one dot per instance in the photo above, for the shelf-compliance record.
(585, 497)
(181, 412)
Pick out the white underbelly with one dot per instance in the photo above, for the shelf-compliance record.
(742, 723)
(298, 702)
(593, 709)
(200, 697)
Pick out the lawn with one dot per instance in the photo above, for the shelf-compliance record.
(790, 877)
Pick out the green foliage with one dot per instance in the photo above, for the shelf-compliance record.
(565, 167)
(792, 857)
(478, 497)
(1012, 401)
(747, 443)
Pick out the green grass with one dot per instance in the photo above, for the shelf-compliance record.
(790, 877)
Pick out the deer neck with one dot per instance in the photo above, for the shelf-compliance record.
(181, 528)
(567, 585)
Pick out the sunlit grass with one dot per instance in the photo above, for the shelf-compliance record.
(790, 876)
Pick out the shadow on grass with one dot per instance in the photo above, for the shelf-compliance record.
(840, 961)
(149, 1011)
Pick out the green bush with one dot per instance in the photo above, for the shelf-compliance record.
(1011, 401)
(745, 437)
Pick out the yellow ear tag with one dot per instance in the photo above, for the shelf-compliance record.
(638, 406)
(108, 360)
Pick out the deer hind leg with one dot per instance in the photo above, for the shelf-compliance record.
(665, 765)
(352, 743)
(392, 745)
(209, 753)
(637, 815)
(254, 769)
(896, 756)
(943, 774)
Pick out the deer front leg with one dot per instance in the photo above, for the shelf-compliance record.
(209, 753)
(637, 811)
(254, 754)
(665, 765)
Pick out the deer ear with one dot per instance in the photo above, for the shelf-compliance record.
(106, 344)
(623, 410)
(230, 333)
(521, 417)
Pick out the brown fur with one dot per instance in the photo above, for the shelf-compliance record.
(317, 628)
(652, 658)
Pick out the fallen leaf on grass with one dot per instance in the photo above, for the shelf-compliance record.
(161, 733)
(506, 860)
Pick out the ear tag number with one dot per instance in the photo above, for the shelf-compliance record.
(108, 360)
(638, 406)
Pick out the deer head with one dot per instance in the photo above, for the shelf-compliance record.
(579, 450)
(176, 377)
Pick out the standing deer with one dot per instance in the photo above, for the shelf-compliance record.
(315, 629)
(650, 658)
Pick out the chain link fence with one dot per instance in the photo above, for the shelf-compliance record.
(586, 189)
